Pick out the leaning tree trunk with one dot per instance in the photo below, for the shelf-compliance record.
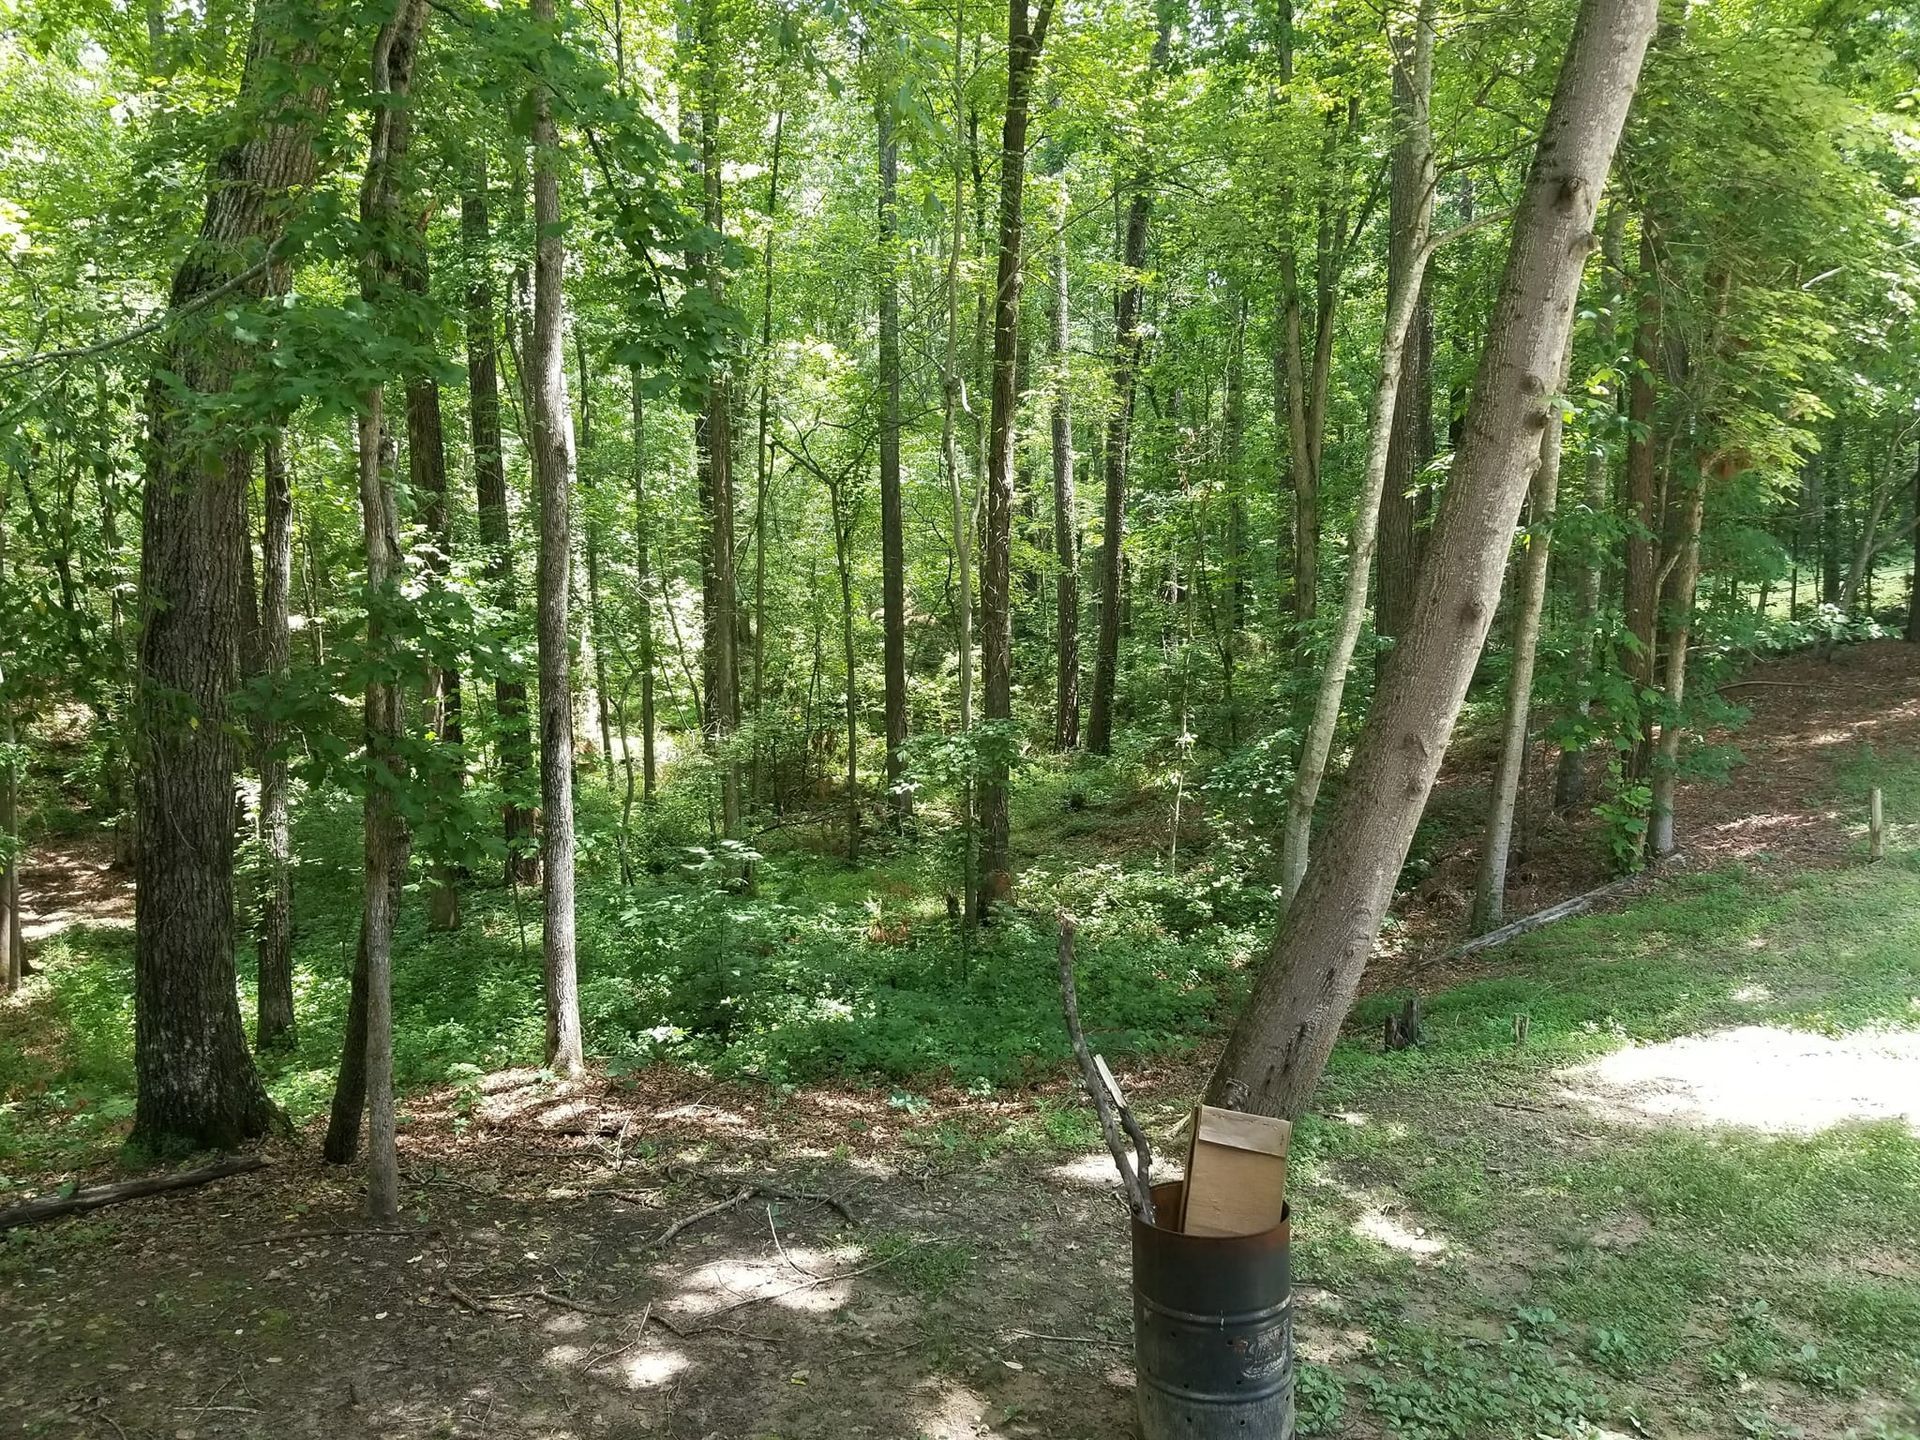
(893, 555)
(553, 470)
(274, 1023)
(1411, 248)
(1280, 1045)
(385, 849)
(1119, 438)
(996, 561)
(195, 1080)
(1066, 532)
(514, 741)
(1489, 894)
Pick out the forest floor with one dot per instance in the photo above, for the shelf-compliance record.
(1684, 1208)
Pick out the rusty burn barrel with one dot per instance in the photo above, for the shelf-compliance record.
(1212, 1331)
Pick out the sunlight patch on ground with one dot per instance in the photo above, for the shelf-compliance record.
(1094, 1171)
(651, 1368)
(1378, 1226)
(793, 1283)
(1760, 1077)
(953, 1412)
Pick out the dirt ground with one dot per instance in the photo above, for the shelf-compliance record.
(969, 1287)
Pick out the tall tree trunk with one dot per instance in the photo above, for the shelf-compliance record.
(1024, 40)
(1913, 581)
(1407, 502)
(1570, 773)
(843, 568)
(1689, 510)
(1066, 521)
(1279, 1047)
(1119, 437)
(274, 1024)
(196, 1083)
(951, 399)
(642, 560)
(10, 956)
(763, 460)
(515, 742)
(1833, 505)
(1642, 573)
(553, 470)
(385, 850)
(596, 616)
(1407, 263)
(427, 476)
(713, 447)
(893, 555)
(1489, 894)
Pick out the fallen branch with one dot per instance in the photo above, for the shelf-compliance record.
(1070, 1339)
(1536, 921)
(94, 1197)
(666, 1236)
(765, 1190)
(1136, 1174)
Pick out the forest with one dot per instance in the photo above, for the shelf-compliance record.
(590, 592)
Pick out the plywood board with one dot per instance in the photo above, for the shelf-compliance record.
(1236, 1173)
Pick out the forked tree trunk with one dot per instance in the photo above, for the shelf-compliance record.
(274, 1020)
(1066, 522)
(1489, 895)
(195, 1080)
(893, 555)
(496, 539)
(553, 470)
(1280, 1045)
(1024, 40)
(1411, 248)
(1119, 437)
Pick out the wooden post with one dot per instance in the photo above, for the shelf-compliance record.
(1876, 826)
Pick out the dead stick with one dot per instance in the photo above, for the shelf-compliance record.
(666, 1236)
(1138, 1184)
(80, 1201)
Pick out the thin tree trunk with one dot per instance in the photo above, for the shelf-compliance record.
(1127, 347)
(1913, 581)
(514, 740)
(1024, 40)
(1066, 521)
(763, 461)
(1489, 895)
(274, 1024)
(893, 555)
(1412, 248)
(1570, 773)
(385, 852)
(713, 446)
(195, 1080)
(10, 949)
(553, 467)
(843, 566)
(1406, 503)
(1680, 588)
(1642, 572)
(642, 560)
(1279, 1047)
(427, 475)
(596, 616)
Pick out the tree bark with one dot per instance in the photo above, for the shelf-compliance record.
(1690, 511)
(10, 949)
(596, 615)
(553, 471)
(1066, 520)
(713, 447)
(274, 1024)
(1119, 436)
(893, 555)
(1024, 40)
(1407, 502)
(514, 741)
(1913, 581)
(763, 460)
(1489, 895)
(1642, 572)
(196, 1083)
(385, 841)
(1278, 1049)
(642, 560)
(1411, 247)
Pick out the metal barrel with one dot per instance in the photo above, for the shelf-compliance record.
(1212, 1331)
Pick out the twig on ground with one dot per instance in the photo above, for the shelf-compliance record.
(780, 1245)
(767, 1191)
(639, 1334)
(666, 1236)
(1070, 1339)
(459, 1296)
